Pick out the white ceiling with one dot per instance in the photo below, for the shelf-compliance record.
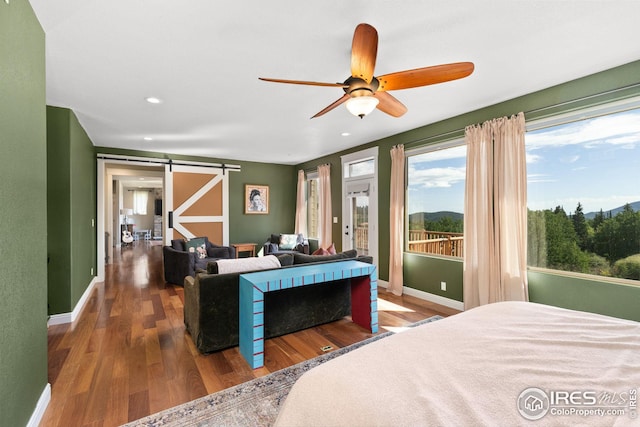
(202, 58)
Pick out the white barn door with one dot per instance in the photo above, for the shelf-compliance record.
(196, 203)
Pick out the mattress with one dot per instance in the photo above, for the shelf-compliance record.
(509, 363)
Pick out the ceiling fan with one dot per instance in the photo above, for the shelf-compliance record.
(364, 92)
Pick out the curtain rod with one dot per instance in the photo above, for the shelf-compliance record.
(534, 111)
(315, 169)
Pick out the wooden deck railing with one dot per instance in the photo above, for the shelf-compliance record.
(362, 240)
(421, 241)
(436, 242)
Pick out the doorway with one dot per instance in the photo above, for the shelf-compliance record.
(360, 202)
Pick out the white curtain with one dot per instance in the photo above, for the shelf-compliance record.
(495, 213)
(324, 220)
(140, 199)
(301, 206)
(396, 220)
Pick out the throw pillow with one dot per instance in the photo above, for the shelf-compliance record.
(331, 249)
(351, 253)
(288, 241)
(320, 251)
(197, 246)
(218, 252)
(275, 239)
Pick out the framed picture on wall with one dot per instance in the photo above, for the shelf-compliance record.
(256, 199)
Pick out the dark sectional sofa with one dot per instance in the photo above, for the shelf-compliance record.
(211, 303)
(179, 263)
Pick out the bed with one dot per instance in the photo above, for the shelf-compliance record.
(510, 363)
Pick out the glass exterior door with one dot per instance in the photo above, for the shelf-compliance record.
(360, 224)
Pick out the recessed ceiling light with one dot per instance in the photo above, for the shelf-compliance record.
(153, 100)
(148, 138)
(345, 134)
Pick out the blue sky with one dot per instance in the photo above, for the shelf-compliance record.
(595, 162)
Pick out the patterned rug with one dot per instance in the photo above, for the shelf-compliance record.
(254, 403)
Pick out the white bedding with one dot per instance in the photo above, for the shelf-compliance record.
(469, 370)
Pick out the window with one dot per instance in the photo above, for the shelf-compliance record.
(140, 199)
(584, 196)
(313, 205)
(359, 168)
(435, 199)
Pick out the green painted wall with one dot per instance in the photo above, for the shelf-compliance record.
(422, 272)
(82, 213)
(611, 299)
(425, 274)
(58, 203)
(71, 210)
(281, 180)
(23, 213)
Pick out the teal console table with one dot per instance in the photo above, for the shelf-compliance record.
(253, 286)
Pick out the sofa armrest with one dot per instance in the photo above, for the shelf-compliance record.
(303, 248)
(191, 306)
(177, 265)
(269, 248)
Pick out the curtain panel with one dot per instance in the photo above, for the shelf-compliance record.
(495, 213)
(140, 200)
(396, 220)
(324, 221)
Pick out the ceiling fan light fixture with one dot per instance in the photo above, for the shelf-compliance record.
(362, 105)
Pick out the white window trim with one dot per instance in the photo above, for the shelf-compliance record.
(570, 117)
(369, 153)
(444, 145)
(583, 114)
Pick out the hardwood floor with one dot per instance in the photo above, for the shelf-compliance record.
(128, 355)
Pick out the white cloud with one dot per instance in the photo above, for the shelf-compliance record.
(436, 177)
(592, 132)
(533, 158)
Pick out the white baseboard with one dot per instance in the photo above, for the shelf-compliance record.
(447, 302)
(58, 319)
(41, 406)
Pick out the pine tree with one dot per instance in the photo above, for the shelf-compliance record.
(580, 226)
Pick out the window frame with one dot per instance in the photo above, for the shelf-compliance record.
(576, 115)
(311, 176)
(430, 148)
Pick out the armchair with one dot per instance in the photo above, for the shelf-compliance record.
(179, 262)
(286, 244)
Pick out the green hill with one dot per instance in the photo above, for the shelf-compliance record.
(419, 217)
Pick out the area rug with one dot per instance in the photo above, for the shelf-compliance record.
(254, 403)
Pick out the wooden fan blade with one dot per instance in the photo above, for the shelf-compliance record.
(389, 104)
(364, 50)
(301, 82)
(332, 106)
(425, 76)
